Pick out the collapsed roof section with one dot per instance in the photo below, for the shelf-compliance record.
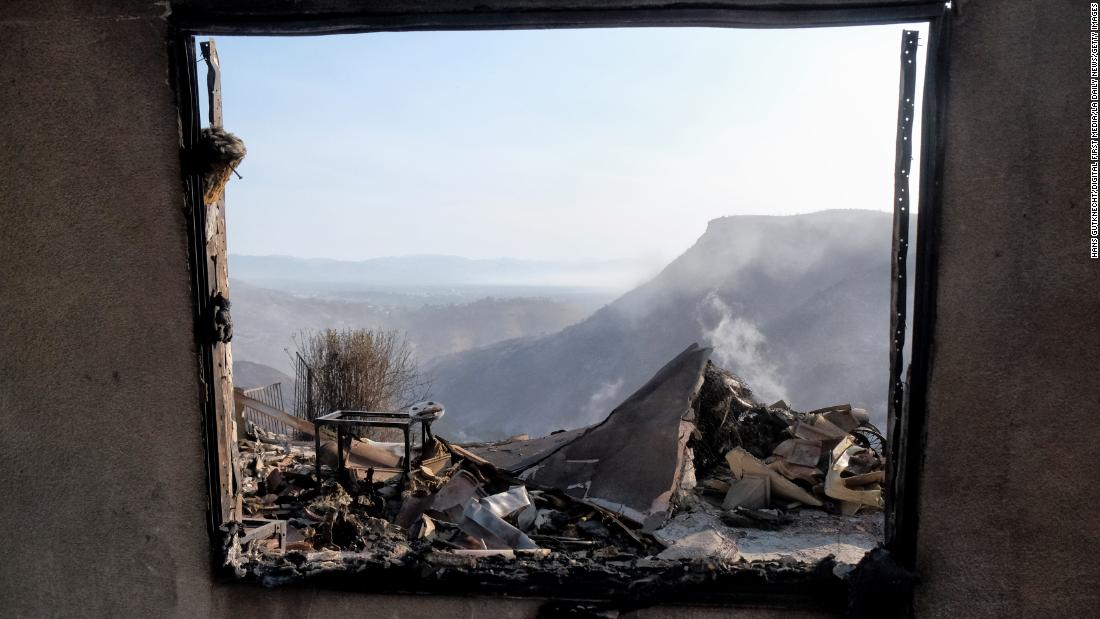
(633, 462)
(694, 425)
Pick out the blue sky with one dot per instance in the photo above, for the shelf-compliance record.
(552, 144)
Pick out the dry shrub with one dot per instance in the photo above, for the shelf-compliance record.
(361, 369)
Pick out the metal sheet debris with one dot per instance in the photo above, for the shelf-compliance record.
(632, 462)
(499, 531)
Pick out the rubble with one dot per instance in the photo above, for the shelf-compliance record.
(689, 476)
(837, 487)
(744, 467)
(697, 535)
(752, 491)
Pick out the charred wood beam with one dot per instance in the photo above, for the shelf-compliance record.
(185, 84)
(623, 585)
(904, 471)
(335, 17)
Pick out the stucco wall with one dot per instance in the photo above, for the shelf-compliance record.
(103, 513)
(98, 390)
(1008, 520)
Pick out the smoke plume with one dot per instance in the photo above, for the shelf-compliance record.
(739, 347)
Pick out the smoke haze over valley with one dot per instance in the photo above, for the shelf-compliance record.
(796, 305)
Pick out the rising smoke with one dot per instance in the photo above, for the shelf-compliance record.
(739, 346)
(603, 399)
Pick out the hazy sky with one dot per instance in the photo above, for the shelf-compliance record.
(553, 144)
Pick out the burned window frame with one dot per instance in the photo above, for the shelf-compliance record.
(907, 425)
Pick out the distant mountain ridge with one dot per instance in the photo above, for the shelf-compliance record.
(428, 270)
(797, 305)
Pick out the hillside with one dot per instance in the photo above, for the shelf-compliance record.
(797, 305)
(248, 375)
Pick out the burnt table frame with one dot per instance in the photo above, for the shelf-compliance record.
(343, 421)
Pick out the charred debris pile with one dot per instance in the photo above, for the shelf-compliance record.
(662, 492)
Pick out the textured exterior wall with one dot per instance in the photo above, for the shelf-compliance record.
(104, 504)
(98, 392)
(1008, 520)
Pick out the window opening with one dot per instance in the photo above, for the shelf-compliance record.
(689, 465)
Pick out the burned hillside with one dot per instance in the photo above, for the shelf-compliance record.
(689, 481)
(799, 305)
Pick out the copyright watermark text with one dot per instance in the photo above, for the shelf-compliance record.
(1094, 130)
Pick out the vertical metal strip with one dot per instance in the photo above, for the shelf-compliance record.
(903, 157)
